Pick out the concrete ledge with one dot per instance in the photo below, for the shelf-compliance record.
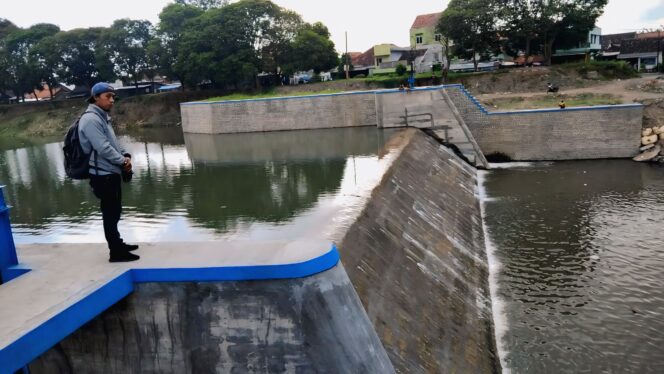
(572, 109)
(31, 323)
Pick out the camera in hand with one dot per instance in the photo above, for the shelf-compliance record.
(127, 175)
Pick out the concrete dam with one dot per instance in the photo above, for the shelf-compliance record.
(397, 282)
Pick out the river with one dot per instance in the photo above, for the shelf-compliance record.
(196, 187)
(580, 282)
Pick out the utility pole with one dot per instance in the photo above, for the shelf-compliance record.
(658, 66)
(347, 63)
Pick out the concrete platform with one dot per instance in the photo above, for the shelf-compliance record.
(70, 284)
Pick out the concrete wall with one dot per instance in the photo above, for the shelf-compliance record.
(573, 133)
(563, 135)
(553, 134)
(310, 325)
(417, 259)
(292, 113)
(391, 109)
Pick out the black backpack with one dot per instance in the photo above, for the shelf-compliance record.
(76, 160)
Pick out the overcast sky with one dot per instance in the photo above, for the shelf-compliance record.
(368, 22)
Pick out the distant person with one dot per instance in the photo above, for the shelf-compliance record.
(109, 165)
(561, 104)
(401, 87)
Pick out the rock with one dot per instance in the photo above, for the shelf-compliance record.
(648, 155)
(646, 132)
(646, 147)
(593, 75)
(649, 139)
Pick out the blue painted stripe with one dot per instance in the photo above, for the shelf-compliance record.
(239, 273)
(30, 346)
(572, 109)
(376, 92)
(13, 272)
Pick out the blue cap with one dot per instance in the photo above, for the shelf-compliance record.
(99, 89)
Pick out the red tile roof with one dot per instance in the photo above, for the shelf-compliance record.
(364, 59)
(426, 20)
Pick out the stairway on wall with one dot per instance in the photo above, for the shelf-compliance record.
(432, 110)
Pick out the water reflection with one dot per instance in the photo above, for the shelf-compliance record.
(211, 187)
(582, 253)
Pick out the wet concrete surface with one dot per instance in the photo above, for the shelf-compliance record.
(310, 325)
(417, 260)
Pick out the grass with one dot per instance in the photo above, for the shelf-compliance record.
(607, 70)
(270, 94)
(38, 124)
(551, 101)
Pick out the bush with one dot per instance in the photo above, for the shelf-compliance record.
(401, 69)
(607, 69)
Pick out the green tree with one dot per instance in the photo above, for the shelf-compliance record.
(401, 69)
(47, 56)
(6, 27)
(22, 73)
(81, 61)
(125, 44)
(224, 45)
(555, 22)
(164, 49)
(313, 49)
(276, 44)
(471, 24)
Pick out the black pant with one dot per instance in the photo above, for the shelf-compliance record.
(108, 188)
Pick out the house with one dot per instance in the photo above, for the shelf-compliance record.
(643, 51)
(427, 42)
(584, 50)
(362, 62)
(143, 88)
(388, 56)
(423, 31)
(60, 92)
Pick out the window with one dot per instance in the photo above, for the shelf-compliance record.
(438, 37)
(418, 38)
(379, 60)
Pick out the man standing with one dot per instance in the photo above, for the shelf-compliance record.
(107, 162)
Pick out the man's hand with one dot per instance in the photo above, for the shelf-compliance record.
(126, 165)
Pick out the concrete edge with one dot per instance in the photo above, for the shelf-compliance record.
(348, 93)
(37, 341)
(572, 109)
(543, 110)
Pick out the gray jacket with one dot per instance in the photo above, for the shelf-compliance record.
(95, 133)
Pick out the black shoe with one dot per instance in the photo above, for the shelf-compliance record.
(128, 247)
(121, 256)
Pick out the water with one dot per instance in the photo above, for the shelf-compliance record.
(581, 282)
(198, 187)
